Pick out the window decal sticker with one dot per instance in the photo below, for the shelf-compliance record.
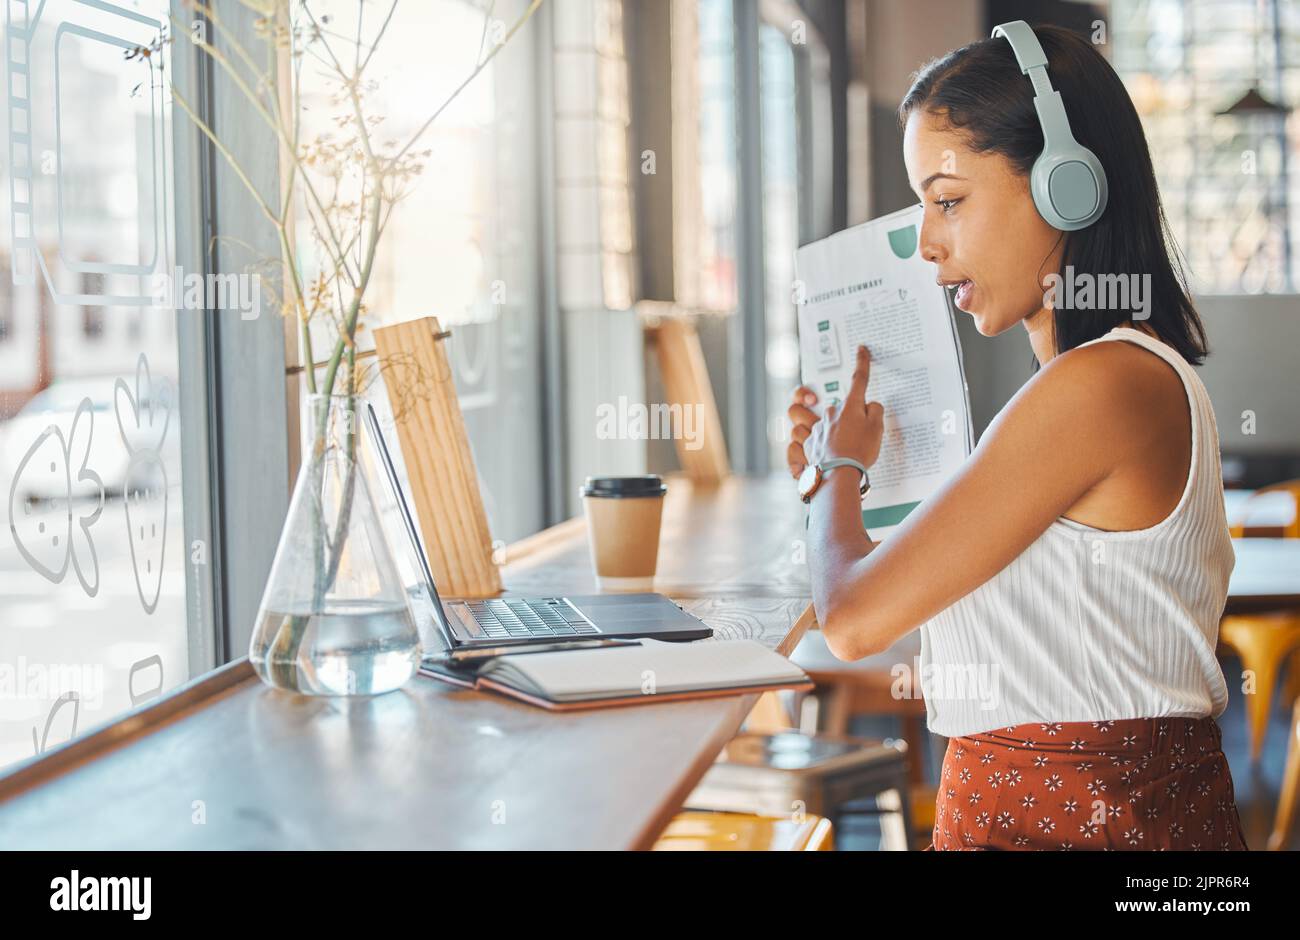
(46, 545)
(142, 419)
(48, 45)
(41, 743)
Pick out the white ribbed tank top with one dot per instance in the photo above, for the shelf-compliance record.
(1087, 624)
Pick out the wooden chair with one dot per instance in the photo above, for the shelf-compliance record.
(884, 775)
(866, 687)
(741, 832)
(771, 775)
(1244, 526)
(762, 794)
(686, 385)
(1265, 640)
(704, 830)
(719, 831)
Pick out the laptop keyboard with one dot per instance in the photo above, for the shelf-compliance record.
(510, 617)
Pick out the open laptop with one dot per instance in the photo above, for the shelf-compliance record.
(512, 621)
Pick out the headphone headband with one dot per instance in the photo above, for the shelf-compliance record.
(1067, 181)
(1028, 50)
(1033, 63)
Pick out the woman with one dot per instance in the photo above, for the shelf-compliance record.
(1068, 580)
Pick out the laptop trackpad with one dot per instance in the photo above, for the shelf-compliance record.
(614, 612)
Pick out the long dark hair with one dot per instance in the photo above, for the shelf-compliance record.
(980, 92)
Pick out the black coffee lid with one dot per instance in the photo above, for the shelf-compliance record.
(648, 485)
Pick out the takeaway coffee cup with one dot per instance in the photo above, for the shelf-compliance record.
(623, 515)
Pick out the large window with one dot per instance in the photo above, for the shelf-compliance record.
(796, 147)
(462, 246)
(1212, 80)
(704, 146)
(93, 613)
(779, 90)
(715, 121)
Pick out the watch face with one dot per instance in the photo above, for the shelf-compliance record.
(808, 480)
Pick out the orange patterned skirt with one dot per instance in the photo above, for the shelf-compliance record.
(1132, 784)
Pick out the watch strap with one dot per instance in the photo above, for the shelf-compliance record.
(826, 466)
(834, 462)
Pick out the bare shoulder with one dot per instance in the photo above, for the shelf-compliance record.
(1115, 379)
(1101, 402)
(1122, 410)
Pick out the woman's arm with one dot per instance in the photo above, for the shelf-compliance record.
(1062, 434)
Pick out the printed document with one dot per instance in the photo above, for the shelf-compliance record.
(869, 285)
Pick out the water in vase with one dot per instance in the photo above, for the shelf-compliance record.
(352, 647)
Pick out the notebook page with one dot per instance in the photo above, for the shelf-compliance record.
(654, 667)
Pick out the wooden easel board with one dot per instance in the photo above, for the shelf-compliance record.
(439, 462)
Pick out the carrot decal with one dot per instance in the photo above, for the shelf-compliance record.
(143, 416)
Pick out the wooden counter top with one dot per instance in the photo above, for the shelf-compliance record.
(228, 763)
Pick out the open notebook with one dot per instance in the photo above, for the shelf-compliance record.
(653, 671)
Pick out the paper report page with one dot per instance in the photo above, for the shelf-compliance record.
(869, 285)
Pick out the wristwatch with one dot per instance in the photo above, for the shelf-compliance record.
(810, 480)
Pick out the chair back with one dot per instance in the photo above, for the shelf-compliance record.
(1272, 508)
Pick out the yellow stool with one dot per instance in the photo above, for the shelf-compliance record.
(693, 831)
(1286, 803)
(1264, 641)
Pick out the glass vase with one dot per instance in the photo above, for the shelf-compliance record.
(334, 618)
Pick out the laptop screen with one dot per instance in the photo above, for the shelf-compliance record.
(412, 561)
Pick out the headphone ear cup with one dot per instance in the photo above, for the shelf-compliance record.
(1039, 188)
(1069, 188)
(1102, 191)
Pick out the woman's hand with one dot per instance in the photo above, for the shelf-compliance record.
(854, 429)
(802, 419)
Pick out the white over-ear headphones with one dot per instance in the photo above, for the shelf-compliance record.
(1067, 181)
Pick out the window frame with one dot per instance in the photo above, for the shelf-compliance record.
(748, 333)
(233, 384)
